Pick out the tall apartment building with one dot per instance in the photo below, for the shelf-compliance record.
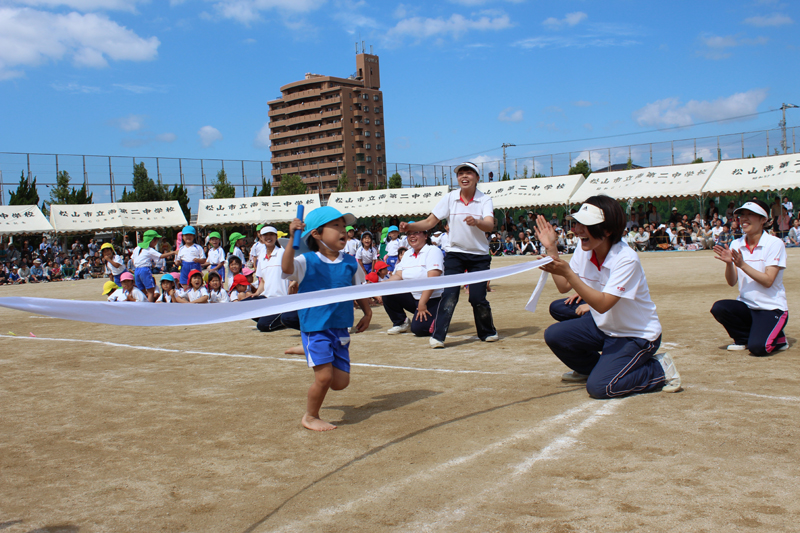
(323, 125)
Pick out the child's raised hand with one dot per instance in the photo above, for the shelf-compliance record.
(296, 224)
(403, 226)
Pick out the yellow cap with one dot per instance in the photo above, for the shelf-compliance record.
(107, 245)
(109, 286)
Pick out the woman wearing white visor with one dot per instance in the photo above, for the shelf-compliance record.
(756, 260)
(613, 346)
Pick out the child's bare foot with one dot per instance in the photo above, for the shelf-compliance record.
(295, 350)
(316, 424)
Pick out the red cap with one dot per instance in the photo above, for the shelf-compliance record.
(239, 279)
(195, 271)
(372, 277)
(379, 265)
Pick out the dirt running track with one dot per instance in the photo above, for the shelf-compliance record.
(197, 429)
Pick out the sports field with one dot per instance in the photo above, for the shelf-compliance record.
(198, 429)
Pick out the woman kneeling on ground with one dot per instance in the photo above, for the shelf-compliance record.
(613, 346)
(756, 319)
(423, 260)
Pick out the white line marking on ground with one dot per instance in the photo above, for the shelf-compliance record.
(446, 518)
(753, 394)
(266, 357)
(390, 489)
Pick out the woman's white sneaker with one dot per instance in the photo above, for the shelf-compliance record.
(436, 344)
(672, 379)
(574, 377)
(402, 328)
(737, 347)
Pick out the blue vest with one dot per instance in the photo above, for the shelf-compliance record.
(321, 276)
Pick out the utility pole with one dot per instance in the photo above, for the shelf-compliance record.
(505, 145)
(782, 125)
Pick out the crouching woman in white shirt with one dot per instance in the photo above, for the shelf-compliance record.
(423, 260)
(613, 346)
(756, 260)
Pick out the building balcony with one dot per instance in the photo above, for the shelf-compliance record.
(320, 103)
(302, 144)
(308, 155)
(304, 131)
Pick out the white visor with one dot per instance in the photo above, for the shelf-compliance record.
(469, 166)
(588, 215)
(268, 229)
(753, 207)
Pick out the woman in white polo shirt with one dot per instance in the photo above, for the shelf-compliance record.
(613, 346)
(422, 260)
(270, 282)
(471, 215)
(756, 260)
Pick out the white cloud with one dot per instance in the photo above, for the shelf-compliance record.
(249, 11)
(670, 111)
(571, 19)
(510, 114)
(769, 21)
(129, 123)
(76, 88)
(582, 103)
(716, 46)
(262, 139)
(420, 28)
(140, 89)
(85, 5)
(166, 137)
(31, 37)
(573, 41)
(209, 135)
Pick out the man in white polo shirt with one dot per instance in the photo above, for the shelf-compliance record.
(756, 261)
(470, 214)
(612, 346)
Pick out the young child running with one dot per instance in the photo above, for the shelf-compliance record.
(190, 256)
(612, 347)
(216, 255)
(115, 265)
(196, 293)
(324, 329)
(216, 292)
(144, 258)
(167, 289)
(367, 254)
(755, 320)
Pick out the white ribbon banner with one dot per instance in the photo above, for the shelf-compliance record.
(149, 314)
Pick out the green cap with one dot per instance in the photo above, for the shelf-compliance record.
(350, 228)
(148, 237)
(214, 234)
(258, 228)
(235, 236)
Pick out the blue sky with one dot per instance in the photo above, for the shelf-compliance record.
(191, 78)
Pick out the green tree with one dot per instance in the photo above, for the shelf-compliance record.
(581, 167)
(505, 177)
(266, 188)
(144, 189)
(525, 172)
(62, 193)
(698, 160)
(181, 195)
(539, 175)
(222, 187)
(26, 193)
(628, 166)
(291, 184)
(343, 185)
(395, 181)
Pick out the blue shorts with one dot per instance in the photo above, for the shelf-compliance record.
(367, 267)
(391, 260)
(186, 267)
(327, 346)
(143, 277)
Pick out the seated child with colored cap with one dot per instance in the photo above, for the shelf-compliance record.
(325, 329)
(216, 292)
(130, 292)
(167, 289)
(111, 291)
(240, 289)
(196, 293)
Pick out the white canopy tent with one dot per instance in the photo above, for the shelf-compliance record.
(22, 219)
(254, 210)
(644, 183)
(388, 202)
(128, 215)
(770, 173)
(531, 192)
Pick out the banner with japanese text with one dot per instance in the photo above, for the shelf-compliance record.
(769, 173)
(642, 183)
(532, 192)
(22, 219)
(254, 210)
(100, 217)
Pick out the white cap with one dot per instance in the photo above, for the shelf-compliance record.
(493, 235)
(268, 229)
(588, 215)
(469, 166)
(753, 207)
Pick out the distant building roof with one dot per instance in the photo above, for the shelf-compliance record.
(615, 168)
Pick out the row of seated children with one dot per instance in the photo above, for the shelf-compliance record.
(199, 290)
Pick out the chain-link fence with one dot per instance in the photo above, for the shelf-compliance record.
(108, 176)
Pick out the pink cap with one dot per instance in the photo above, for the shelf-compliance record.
(247, 271)
(126, 276)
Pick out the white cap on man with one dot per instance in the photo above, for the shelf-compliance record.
(588, 215)
(752, 207)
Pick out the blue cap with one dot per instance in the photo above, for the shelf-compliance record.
(393, 228)
(188, 230)
(321, 216)
(167, 277)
